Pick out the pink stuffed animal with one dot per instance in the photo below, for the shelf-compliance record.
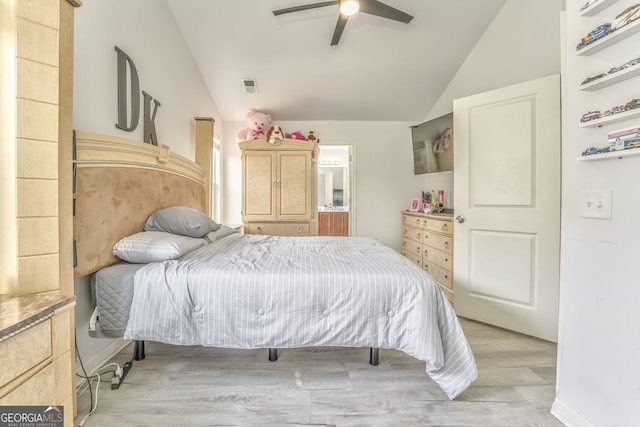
(297, 135)
(258, 124)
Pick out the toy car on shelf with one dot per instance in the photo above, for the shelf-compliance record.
(591, 115)
(634, 103)
(626, 17)
(590, 79)
(594, 35)
(623, 66)
(623, 139)
(593, 150)
(615, 110)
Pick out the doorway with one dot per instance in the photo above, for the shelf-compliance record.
(335, 190)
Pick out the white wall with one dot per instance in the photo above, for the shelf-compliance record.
(598, 351)
(147, 32)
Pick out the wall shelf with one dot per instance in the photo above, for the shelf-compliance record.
(612, 79)
(610, 39)
(611, 119)
(611, 155)
(597, 7)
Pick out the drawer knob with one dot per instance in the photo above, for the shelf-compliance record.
(426, 253)
(446, 245)
(404, 243)
(445, 227)
(418, 236)
(299, 229)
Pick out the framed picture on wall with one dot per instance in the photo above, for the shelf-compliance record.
(415, 205)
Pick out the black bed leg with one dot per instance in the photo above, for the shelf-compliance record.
(273, 354)
(138, 350)
(374, 359)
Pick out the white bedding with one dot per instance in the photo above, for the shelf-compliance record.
(250, 291)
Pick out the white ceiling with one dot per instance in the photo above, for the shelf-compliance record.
(382, 70)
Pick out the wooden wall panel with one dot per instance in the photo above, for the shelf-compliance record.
(45, 12)
(37, 120)
(37, 81)
(38, 274)
(37, 42)
(37, 236)
(37, 159)
(37, 198)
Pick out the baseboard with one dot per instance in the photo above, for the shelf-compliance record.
(97, 361)
(568, 416)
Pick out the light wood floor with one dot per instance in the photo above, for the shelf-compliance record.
(194, 386)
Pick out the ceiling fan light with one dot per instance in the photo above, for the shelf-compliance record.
(349, 7)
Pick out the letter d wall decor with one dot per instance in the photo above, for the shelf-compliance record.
(150, 136)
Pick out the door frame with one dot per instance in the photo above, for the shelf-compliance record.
(352, 180)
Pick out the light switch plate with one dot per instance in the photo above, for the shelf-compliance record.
(595, 204)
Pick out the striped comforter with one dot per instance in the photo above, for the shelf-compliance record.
(250, 291)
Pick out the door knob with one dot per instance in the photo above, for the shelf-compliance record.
(460, 219)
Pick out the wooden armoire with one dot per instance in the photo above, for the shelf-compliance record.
(279, 187)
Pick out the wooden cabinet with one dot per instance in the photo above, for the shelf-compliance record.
(35, 352)
(278, 187)
(37, 365)
(428, 241)
(333, 223)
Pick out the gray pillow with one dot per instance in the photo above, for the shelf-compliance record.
(153, 246)
(181, 220)
(223, 231)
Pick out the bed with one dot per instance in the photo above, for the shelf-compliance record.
(252, 291)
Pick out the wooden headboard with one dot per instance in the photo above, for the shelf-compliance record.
(118, 184)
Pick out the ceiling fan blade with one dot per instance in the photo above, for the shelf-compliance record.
(305, 7)
(374, 7)
(337, 33)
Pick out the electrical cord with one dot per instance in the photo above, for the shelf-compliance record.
(117, 373)
(96, 402)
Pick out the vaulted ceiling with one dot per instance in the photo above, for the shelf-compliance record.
(381, 70)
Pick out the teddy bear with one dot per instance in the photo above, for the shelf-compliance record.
(442, 143)
(275, 135)
(258, 123)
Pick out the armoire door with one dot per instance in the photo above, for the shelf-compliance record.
(259, 186)
(294, 185)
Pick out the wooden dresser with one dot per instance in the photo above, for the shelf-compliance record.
(278, 188)
(427, 239)
(35, 352)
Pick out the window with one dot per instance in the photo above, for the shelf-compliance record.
(216, 196)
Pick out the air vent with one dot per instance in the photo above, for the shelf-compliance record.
(250, 85)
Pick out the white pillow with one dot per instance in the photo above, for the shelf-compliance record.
(181, 220)
(152, 246)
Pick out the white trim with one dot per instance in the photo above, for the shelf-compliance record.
(567, 416)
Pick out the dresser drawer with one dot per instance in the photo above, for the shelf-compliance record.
(439, 226)
(412, 233)
(441, 275)
(435, 256)
(279, 228)
(412, 246)
(25, 350)
(412, 221)
(413, 257)
(439, 241)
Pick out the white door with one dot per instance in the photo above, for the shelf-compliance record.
(507, 204)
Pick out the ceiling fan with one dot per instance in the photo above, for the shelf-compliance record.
(349, 8)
